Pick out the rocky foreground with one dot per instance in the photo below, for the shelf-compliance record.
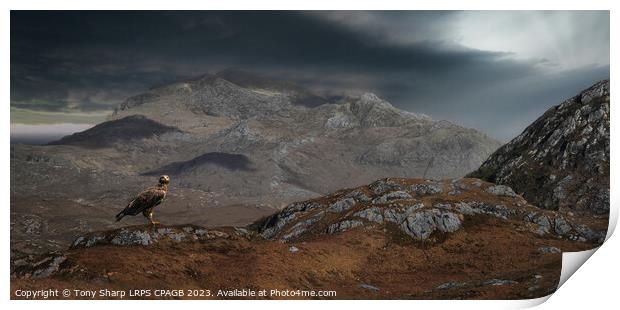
(395, 238)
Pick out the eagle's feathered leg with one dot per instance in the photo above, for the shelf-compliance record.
(148, 213)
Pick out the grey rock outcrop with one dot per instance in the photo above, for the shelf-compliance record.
(383, 186)
(431, 188)
(342, 226)
(421, 225)
(301, 226)
(496, 282)
(450, 285)
(420, 209)
(146, 236)
(372, 214)
(398, 195)
(501, 190)
(341, 205)
(561, 161)
(549, 250)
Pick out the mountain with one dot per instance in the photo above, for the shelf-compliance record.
(132, 128)
(561, 161)
(237, 146)
(241, 113)
(392, 239)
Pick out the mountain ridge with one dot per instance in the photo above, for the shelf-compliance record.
(249, 149)
(560, 161)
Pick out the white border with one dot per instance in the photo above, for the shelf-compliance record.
(595, 284)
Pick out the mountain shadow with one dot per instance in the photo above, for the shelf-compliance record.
(233, 162)
(126, 129)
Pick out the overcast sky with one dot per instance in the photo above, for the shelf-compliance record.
(496, 71)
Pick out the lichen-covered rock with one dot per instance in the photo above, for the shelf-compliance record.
(426, 189)
(589, 234)
(397, 195)
(476, 207)
(450, 285)
(443, 206)
(543, 223)
(341, 205)
(301, 227)
(549, 250)
(382, 186)
(340, 121)
(295, 231)
(501, 190)
(419, 225)
(342, 226)
(447, 222)
(496, 282)
(372, 214)
(47, 266)
(146, 236)
(33, 224)
(561, 226)
(358, 196)
(369, 287)
(134, 237)
(274, 224)
(398, 215)
(394, 215)
(241, 231)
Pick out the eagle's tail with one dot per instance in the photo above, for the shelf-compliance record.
(120, 215)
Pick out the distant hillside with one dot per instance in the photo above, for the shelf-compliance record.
(237, 146)
(126, 130)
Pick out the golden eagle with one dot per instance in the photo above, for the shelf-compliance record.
(147, 200)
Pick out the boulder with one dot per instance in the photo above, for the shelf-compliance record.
(341, 205)
(501, 190)
(419, 225)
(372, 214)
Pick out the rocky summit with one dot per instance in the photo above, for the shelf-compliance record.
(561, 161)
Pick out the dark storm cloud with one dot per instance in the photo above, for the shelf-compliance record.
(92, 60)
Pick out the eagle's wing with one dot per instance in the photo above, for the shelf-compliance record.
(145, 200)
